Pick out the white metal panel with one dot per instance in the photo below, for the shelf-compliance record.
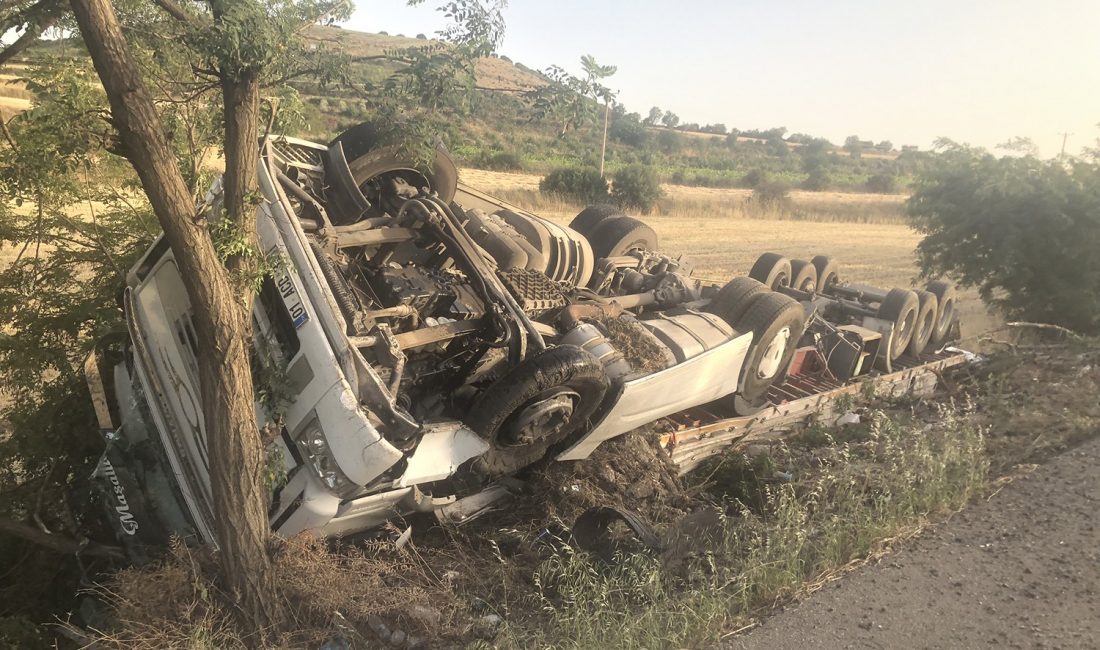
(699, 380)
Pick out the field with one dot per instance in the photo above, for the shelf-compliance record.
(723, 231)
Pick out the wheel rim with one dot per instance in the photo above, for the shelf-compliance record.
(948, 313)
(773, 354)
(904, 328)
(540, 418)
(926, 326)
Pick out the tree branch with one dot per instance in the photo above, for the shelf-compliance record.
(57, 543)
(51, 12)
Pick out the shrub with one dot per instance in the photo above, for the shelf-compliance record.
(817, 181)
(500, 161)
(1023, 231)
(636, 187)
(771, 193)
(755, 178)
(882, 184)
(584, 185)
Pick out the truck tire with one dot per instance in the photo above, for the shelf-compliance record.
(590, 217)
(926, 322)
(945, 310)
(803, 276)
(368, 158)
(776, 322)
(734, 299)
(773, 270)
(900, 307)
(616, 236)
(534, 408)
(828, 275)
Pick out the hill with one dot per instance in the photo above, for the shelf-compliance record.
(497, 131)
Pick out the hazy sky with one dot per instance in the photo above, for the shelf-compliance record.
(974, 71)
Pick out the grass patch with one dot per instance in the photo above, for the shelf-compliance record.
(809, 529)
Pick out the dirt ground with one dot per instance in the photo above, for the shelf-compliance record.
(1020, 570)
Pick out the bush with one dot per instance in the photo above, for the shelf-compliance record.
(882, 184)
(501, 161)
(817, 181)
(584, 185)
(1023, 231)
(636, 187)
(771, 193)
(755, 178)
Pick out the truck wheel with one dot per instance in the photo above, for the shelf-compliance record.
(733, 300)
(803, 276)
(900, 307)
(776, 322)
(590, 217)
(535, 407)
(926, 322)
(827, 274)
(773, 270)
(369, 160)
(616, 236)
(945, 311)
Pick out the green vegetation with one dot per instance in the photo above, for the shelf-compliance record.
(1023, 231)
(636, 187)
(581, 184)
(767, 542)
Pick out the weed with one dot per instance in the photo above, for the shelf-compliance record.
(891, 483)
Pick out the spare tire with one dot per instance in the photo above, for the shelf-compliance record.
(590, 217)
(900, 307)
(926, 322)
(828, 275)
(776, 322)
(773, 270)
(734, 299)
(803, 276)
(535, 407)
(945, 310)
(616, 236)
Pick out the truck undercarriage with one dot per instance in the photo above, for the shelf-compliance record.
(432, 340)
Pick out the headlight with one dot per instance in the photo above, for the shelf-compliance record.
(315, 447)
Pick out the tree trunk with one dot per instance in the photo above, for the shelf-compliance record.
(221, 316)
(603, 145)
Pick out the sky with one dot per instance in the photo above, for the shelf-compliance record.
(975, 71)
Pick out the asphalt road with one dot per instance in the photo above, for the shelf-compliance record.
(1019, 570)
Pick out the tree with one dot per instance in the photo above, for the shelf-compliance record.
(1020, 145)
(1021, 230)
(594, 74)
(670, 119)
(161, 69)
(885, 146)
(241, 39)
(655, 115)
(854, 146)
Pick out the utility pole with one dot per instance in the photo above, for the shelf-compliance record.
(1064, 137)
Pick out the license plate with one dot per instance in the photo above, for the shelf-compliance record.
(293, 302)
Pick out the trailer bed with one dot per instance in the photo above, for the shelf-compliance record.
(800, 399)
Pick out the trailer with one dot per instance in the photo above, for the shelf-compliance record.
(804, 398)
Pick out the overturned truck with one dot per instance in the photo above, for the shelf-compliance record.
(431, 341)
